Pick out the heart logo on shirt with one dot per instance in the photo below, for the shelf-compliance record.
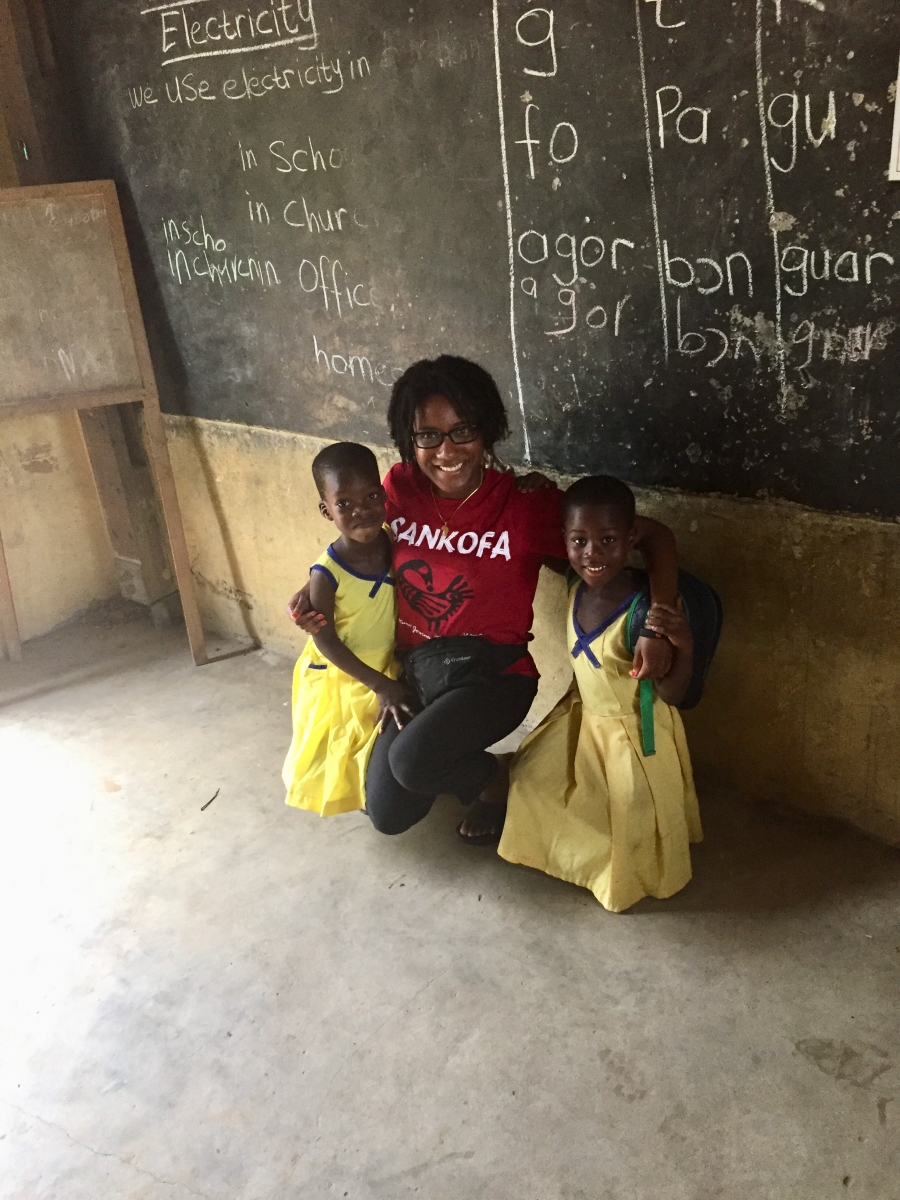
(416, 583)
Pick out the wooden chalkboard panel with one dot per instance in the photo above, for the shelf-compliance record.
(64, 326)
(71, 337)
(665, 225)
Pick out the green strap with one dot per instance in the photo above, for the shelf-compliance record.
(629, 621)
(648, 736)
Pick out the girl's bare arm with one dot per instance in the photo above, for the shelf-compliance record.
(394, 698)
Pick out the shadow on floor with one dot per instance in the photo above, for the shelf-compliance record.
(755, 858)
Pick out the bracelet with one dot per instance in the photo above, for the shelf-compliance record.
(649, 633)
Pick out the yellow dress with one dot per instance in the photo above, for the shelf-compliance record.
(585, 804)
(334, 716)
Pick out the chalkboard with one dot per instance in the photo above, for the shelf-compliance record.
(664, 225)
(55, 246)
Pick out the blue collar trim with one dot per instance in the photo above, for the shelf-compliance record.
(376, 580)
(583, 640)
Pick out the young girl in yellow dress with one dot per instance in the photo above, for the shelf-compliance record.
(345, 681)
(585, 804)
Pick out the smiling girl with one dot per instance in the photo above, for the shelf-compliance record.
(585, 804)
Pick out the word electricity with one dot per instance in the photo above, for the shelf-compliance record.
(194, 33)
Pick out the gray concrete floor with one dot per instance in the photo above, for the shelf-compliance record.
(251, 1003)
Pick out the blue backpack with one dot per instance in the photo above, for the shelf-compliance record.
(703, 610)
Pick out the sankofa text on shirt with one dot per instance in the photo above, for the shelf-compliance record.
(466, 543)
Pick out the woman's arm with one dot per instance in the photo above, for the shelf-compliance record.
(394, 698)
(656, 542)
(671, 623)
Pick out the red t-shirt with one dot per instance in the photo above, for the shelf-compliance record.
(480, 577)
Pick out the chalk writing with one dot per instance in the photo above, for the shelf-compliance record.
(580, 290)
(305, 158)
(213, 262)
(339, 294)
(691, 124)
(535, 28)
(329, 76)
(189, 30)
(299, 215)
(357, 366)
(785, 116)
(139, 96)
(563, 141)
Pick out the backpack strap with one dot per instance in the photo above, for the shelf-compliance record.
(633, 623)
(648, 733)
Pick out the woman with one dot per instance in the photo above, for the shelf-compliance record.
(469, 546)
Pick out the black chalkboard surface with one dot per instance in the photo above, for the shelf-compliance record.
(664, 225)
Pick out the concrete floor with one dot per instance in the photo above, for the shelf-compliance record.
(251, 1003)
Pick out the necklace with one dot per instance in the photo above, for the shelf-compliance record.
(445, 527)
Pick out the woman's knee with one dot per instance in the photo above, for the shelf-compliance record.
(413, 763)
(390, 820)
(391, 808)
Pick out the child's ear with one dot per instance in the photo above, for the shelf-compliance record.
(323, 509)
(632, 537)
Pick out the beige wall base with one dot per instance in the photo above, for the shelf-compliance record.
(803, 704)
(57, 548)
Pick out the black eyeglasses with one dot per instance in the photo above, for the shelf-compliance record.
(460, 435)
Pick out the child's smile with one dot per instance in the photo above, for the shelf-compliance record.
(598, 541)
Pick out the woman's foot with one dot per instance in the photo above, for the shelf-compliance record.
(483, 824)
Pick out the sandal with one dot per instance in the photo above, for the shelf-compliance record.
(491, 815)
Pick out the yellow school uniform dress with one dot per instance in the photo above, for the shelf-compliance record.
(334, 716)
(585, 804)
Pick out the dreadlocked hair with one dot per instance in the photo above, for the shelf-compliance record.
(600, 491)
(468, 387)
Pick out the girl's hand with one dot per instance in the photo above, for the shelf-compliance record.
(534, 481)
(672, 624)
(397, 700)
(302, 613)
(652, 658)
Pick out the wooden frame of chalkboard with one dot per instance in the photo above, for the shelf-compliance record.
(125, 372)
(894, 171)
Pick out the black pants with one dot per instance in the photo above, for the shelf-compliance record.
(442, 749)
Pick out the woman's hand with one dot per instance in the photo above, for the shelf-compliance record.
(534, 481)
(672, 624)
(670, 621)
(302, 613)
(652, 658)
(397, 700)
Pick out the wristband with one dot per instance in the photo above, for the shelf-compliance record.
(649, 633)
